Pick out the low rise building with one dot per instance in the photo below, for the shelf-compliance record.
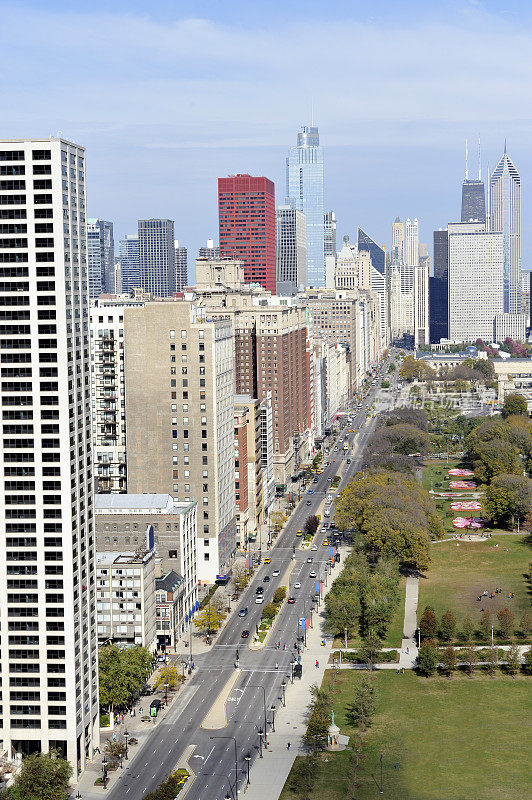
(132, 522)
(171, 618)
(125, 598)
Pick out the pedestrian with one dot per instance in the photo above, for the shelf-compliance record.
(407, 650)
(276, 665)
(288, 745)
(140, 710)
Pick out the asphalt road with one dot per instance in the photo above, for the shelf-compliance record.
(259, 685)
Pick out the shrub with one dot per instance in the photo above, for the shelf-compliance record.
(447, 626)
(269, 611)
(427, 659)
(279, 595)
(169, 788)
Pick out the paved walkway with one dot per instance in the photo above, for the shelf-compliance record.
(408, 655)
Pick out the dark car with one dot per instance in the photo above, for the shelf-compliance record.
(298, 670)
(244, 634)
(259, 590)
(291, 601)
(243, 612)
(266, 578)
(309, 503)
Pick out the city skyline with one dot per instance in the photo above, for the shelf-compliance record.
(148, 160)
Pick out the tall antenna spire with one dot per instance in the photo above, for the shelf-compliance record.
(479, 160)
(505, 145)
(466, 169)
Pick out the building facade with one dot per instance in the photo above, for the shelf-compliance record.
(157, 256)
(505, 217)
(291, 247)
(181, 267)
(100, 256)
(129, 263)
(48, 664)
(304, 187)
(179, 434)
(246, 212)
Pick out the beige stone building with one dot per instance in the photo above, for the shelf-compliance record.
(179, 410)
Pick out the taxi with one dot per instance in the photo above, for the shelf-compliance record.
(267, 560)
(299, 533)
(325, 542)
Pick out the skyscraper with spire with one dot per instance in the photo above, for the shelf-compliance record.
(473, 199)
(505, 217)
(304, 191)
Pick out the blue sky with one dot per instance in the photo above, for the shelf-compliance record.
(168, 98)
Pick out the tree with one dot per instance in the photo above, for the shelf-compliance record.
(528, 661)
(276, 520)
(427, 659)
(209, 619)
(506, 621)
(362, 708)
(428, 625)
(122, 674)
(492, 660)
(311, 525)
(508, 496)
(525, 624)
(168, 674)
(240, 577)
(514, 404)
(318, 719)
(449, 660)
(468, 629)
(43, 776)
(513, 660)
(279, 595)
(269, 611)
(447, 626)
(115, 749)
(496, 458)
(470, 657)
(303, 775)
(485, 624)
(370, 650)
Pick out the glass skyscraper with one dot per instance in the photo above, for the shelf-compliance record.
(304, 190)
(130, 263)
(505, 217)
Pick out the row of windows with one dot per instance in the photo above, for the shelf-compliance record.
(19, 155)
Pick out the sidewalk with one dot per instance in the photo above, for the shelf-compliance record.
(408, 654)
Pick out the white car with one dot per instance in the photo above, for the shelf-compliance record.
(298, 585)
(275, 573)
(314, 547)
(259, 599)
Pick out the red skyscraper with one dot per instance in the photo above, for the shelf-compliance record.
(246, 213)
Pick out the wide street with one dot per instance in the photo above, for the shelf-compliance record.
(257, 680)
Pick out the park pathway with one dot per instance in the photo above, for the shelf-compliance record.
(408, 654)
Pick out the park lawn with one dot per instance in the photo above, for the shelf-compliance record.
(437, 471)
(395, 631)
(453, 739)
(457, 575)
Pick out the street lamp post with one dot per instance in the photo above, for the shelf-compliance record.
(272, 709)
(263, 690)
(236, 760)
(259, 731)
(381, 790)
(166, 693)
(292, 664)
(283, 689)
(104, 772)
(247, 759)
(126, 737)
(345, 634)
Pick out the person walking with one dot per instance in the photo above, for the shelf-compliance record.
(288, 745)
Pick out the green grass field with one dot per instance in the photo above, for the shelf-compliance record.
(457, 576)
(449, 739)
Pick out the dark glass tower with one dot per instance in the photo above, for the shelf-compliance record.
(473, 201)
(439, 289)
(378, 256)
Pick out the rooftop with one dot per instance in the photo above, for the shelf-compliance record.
(140, 504)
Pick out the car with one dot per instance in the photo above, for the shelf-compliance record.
(325, 524)
(259, 590)
(312, 574)
(259, 599)
(310, 491)
(348, 460)
(326, 464)
(267, 560)
(326, 513)
(325, 542)
(275, 573)
(309, 502)
(315, 480)
(291, 601)
(316, 598)
(243, 612)
(309, 560)
(244, 635)
(352, 430)
(314, 547)
(335, 448)
(299, 533)
(162, 659)
(266, 579)
(297, 585)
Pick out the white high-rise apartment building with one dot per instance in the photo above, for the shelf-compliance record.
(49, 668)
(505, 217)
(421, 304)
(476, 259)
